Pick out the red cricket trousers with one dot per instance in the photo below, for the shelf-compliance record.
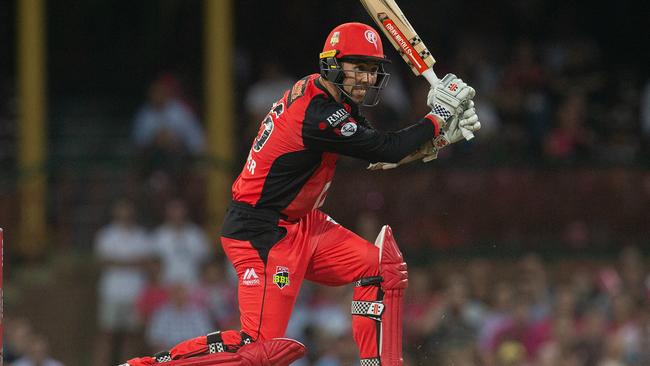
(315, 248)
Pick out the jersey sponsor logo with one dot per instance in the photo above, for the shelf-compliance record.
(371, 37)
(349, 129)
(281, 276)
(250, 278)
(337, 117)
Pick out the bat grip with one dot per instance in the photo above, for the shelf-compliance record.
(431, 77)
(433, 80)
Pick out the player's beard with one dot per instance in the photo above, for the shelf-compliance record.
(358, 93)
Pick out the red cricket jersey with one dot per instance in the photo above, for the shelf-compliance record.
(292, 160)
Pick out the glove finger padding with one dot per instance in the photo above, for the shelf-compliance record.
(469, 119)
(472, 94)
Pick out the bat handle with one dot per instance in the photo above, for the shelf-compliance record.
(433, 80)
(431, 77)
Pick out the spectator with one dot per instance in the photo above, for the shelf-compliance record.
(515, 334)
(38, 354)
(625, 332)
(458, 320)
(533, 286)
(644, 325)
(181, 245)
(496, 317)
(18, 335)
(330, 311)
(592, 330)
(168, 136)
(272, 82)
(165, 123)
(218, 294)
(122, 249)
(631, 269)
(177, 320)
(337, 352)
(557, 332)
(572, 140)
(421, 306)
(154, 294)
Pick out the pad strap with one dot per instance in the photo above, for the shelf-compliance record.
(370, 362)
(245, 339)
(369, 281)
(162, 356)
(370, 309)
(215, 342)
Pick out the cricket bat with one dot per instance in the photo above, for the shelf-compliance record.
(405, 40)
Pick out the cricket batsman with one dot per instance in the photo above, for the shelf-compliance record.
(276, 236)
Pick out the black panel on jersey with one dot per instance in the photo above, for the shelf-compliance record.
(324, 131)
(258, 226)
(287, 176)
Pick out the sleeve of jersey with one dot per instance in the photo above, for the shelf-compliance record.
(329, 127)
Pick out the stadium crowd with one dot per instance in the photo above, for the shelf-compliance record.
(524, 311)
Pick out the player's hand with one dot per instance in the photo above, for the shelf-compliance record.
(450, 97)
(453, 131)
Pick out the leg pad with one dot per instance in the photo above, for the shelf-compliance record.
(272, 352)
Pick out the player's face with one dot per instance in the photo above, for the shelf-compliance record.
(358, 77)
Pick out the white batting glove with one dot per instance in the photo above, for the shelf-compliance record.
(450, 97)
(452, 132)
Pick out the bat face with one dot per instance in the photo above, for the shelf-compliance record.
(401, 35)
(415, 59)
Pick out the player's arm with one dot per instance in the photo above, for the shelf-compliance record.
(452, 103)
(327, 128)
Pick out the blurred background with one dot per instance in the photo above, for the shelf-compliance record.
(123, 124)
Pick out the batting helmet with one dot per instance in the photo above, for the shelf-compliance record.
(353, 42)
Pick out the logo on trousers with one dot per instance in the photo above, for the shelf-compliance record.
(250, 278)
(281, 276)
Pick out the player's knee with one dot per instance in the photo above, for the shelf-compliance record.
(384, 265)
(393, 268)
